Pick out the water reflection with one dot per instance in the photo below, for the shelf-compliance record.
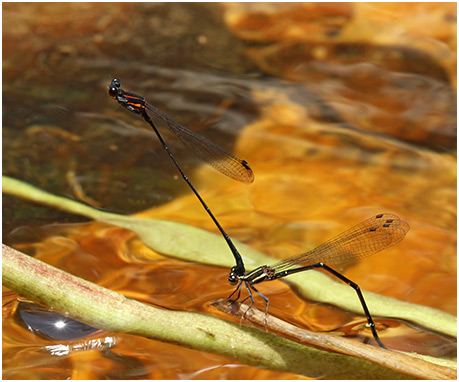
(95, 344)
(50, 324)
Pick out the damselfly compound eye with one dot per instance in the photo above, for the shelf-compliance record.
(232, 278)
(113, 91)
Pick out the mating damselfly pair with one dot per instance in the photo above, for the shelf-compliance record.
(365, 239)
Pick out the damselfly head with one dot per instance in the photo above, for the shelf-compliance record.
(233, 277)
(113, 88)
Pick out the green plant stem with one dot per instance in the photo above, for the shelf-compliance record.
(111, 311)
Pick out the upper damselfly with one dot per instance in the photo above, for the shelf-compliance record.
(203, 148)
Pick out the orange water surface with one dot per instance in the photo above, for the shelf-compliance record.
(342, 110)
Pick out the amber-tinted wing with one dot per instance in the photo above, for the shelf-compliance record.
(365, 239)
(225, 162)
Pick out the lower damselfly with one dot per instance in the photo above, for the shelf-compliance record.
(365, 239)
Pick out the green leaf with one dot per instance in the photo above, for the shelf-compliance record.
(194, 244)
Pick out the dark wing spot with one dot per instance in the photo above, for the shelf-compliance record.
(246, 165)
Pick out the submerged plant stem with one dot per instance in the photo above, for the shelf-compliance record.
(423, 367)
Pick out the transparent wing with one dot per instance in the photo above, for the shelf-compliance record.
(225, 162)
(365, 239)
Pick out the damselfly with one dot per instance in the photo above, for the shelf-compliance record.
(204, 149)
(365, 239)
